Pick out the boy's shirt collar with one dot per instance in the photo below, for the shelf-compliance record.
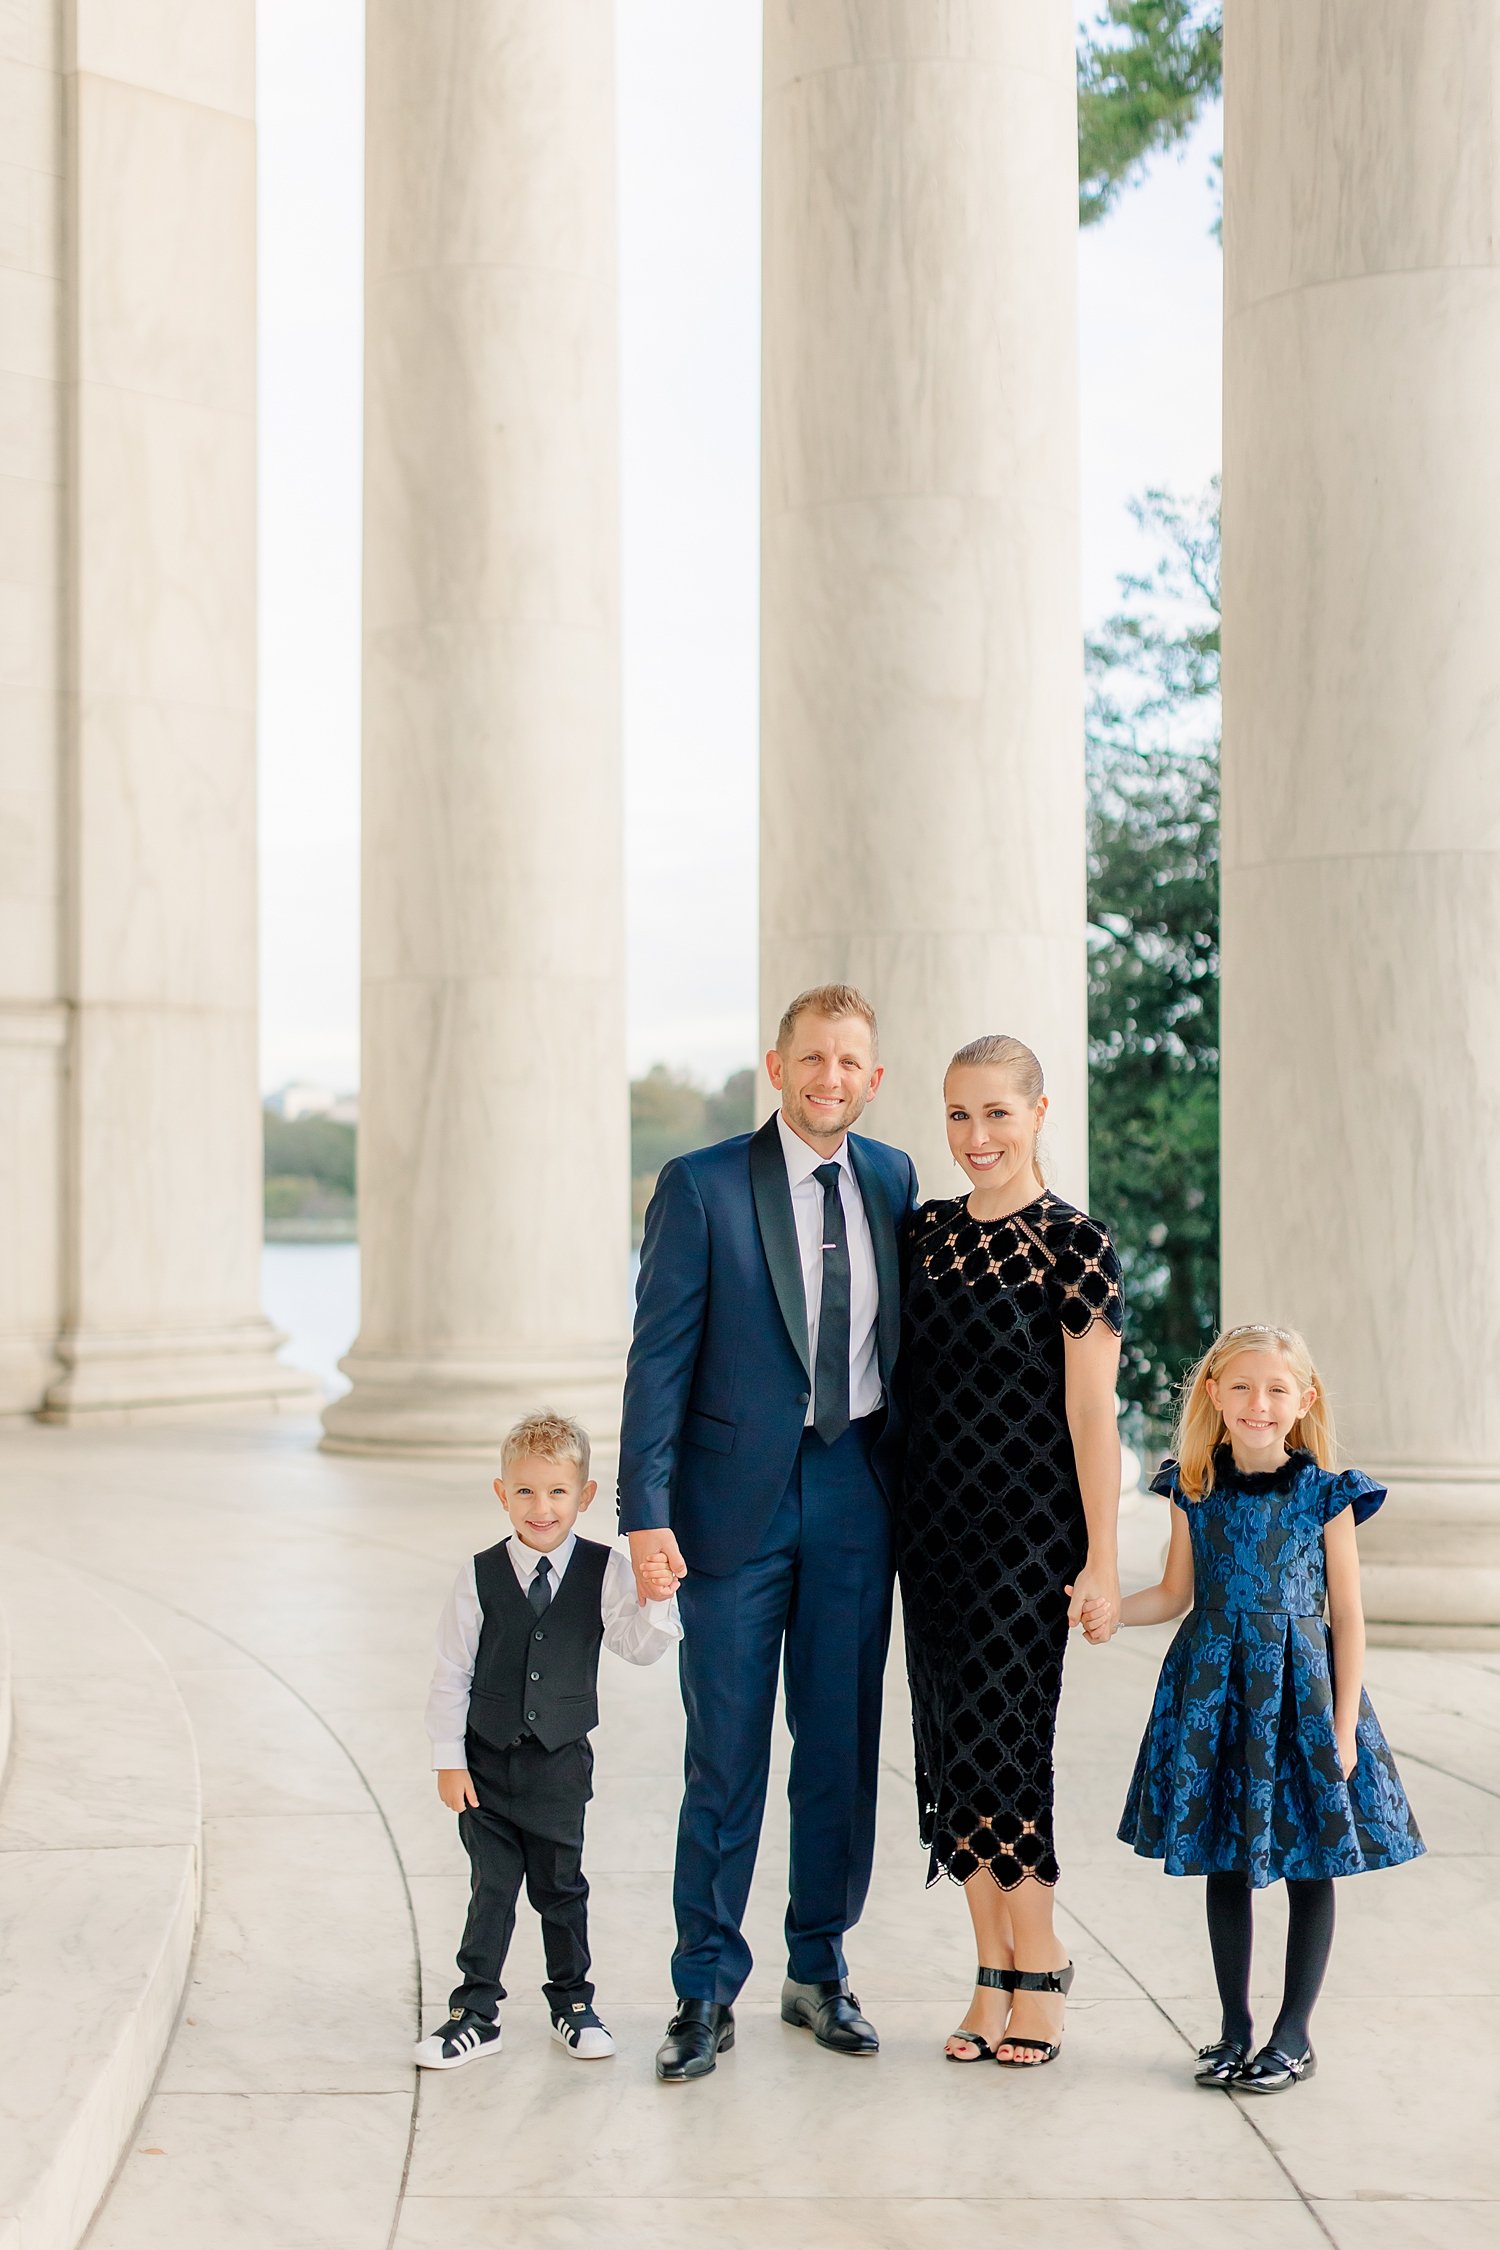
(525, 1559)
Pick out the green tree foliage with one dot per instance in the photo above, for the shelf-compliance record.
(671, 1113)
(666, 1119)
(309, 1179)
(315, 1148)
(1154, 937)
(1144, 73)
(732, 1108)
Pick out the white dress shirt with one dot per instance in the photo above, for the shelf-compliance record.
(865, 1392)
(639, 1635)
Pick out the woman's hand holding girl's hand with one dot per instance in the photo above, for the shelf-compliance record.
(1096, 1625)
(1094, 1602)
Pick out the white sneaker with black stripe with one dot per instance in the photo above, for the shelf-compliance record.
(462, 2039)
(579, 2030)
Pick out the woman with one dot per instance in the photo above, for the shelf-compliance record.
(1007, 1531)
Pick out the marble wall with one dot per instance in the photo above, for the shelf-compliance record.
(922, 765)
(1361, 1011)
(494, 1153)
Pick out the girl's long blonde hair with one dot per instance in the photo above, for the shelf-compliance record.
(1200, 1425)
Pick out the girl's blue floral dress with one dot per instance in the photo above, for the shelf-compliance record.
(1239, 1769)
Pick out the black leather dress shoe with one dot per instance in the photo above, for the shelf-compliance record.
(696, 2037)
(831, 2013)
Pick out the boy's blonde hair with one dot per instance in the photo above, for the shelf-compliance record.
(1200, 1425)
(546, 1437)
(834, 1000)
(998, 1050)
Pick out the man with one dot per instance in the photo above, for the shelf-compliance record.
(757, 1463)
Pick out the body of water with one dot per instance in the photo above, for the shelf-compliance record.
(311, 1289)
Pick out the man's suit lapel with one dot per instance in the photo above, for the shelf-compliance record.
(887, 1258)
(778, 1233)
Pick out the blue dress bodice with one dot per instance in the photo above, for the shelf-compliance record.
(1258, 1540)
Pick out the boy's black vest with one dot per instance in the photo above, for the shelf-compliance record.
(537, 1675)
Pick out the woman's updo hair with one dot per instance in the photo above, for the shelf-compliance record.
(999, 1051)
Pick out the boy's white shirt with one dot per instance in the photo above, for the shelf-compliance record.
(640, 1635)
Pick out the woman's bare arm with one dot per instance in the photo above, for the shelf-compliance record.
(1091, 1363)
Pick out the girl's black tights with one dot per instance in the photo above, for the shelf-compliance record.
(1309, 1941)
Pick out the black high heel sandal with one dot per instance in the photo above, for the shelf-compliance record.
(1220, 2064)
(1036, 1980)
(1273, 2070)
(996, 1980)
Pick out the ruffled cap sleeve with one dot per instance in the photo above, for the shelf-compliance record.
(1351, 1488)
(1165, 1481)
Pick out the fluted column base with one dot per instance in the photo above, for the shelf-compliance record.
(461, 1405)
(1432, 1554)
(126, 1377)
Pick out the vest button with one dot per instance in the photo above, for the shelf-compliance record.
(531, 1718)
(539, 1636)
(536, 1675)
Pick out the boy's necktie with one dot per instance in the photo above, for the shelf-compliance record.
(831, 1375)
(539, 1592)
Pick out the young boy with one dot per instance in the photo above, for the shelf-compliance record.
(514, 1695)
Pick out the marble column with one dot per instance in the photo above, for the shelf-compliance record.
(494, 1149)
(1361, 1002)
(33, 1015)
(136, 1152)
(922, 829)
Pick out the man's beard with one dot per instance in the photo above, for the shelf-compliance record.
(822, 1128)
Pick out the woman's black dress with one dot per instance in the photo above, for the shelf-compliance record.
(991, 1526)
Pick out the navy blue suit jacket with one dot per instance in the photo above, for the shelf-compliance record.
(718, 1382)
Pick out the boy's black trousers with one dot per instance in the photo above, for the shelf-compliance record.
(528, 1826)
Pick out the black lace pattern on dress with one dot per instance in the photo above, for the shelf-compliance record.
(991, 1525)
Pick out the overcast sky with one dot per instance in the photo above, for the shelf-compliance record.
(689, 120)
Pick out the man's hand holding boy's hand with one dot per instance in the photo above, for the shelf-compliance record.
(455, 1788)
(657, 1562)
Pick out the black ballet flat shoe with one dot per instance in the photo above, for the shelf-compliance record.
(1220, 2064)
(1045, 2050)
(1273, 2070)
(831, 2013)
(698, 2034)
(997, 1980)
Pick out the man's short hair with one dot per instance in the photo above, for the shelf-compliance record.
(833, 1000)
(546, 1437)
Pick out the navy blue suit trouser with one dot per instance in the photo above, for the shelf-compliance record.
(816, 1598)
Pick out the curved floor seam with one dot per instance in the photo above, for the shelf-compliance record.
(174, 1609)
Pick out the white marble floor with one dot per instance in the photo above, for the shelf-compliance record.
(292, 1595)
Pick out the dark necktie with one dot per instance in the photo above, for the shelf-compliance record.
(831, 1376)
(539, 1592)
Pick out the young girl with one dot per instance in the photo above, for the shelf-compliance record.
(1262, 1758)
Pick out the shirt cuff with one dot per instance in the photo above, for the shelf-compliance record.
(662, 1616)
(452, 1755)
